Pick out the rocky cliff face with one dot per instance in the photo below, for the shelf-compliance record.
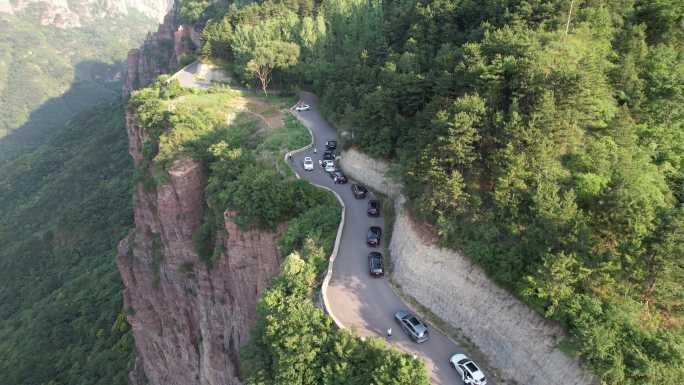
(73, 13)
(188, 320)
(159, 53)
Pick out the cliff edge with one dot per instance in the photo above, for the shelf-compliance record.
(159, 53)
(188, 320)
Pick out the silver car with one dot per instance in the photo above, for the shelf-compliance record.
(414, 327)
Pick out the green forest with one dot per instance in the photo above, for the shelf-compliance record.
(543, 138)
(48, 74)
(65, 206)
(65, 199)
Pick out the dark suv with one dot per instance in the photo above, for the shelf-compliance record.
(414, 327)
(373, 237)
(375, 264)
(331, 144)
(359, 190)
(338, 177)
(328, 155)
(373, 208)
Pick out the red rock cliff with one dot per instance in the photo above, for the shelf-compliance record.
(159, 53)
(188, 320)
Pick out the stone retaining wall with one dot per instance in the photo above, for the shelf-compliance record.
(361, 167)
(517, 341)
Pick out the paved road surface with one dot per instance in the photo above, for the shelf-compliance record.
(187, 77)
(359, 301)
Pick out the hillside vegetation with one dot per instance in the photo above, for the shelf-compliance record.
(294, 341)
(48, 74)
(546, 142)
(64, 207)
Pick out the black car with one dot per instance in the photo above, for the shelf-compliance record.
(373, 208)
(375, 264)
(359, 190)
(331, 144)
(338, 177)
(328, 155)
(374, 234)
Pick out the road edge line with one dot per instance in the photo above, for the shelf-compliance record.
(340, 228)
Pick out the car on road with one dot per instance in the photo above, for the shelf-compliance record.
(327, 165)
(359, 190)
(338, 177)
(470, 373)
(328, 155)
(308, 163)
(414, 327)
(373, 237)
(375, 264)
(373, 208)
(303, 107)
(331, 144)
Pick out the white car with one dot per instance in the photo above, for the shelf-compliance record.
(303, 107)
(470, 373)
(308, 163)
(328, 165)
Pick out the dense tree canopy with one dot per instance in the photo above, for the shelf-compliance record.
(49, 74)
(65, 206)
(295, 343)
(547, 144)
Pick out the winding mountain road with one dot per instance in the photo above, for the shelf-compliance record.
(359, 301)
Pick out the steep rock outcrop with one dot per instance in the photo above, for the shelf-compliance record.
(188, 320)
(159, 53)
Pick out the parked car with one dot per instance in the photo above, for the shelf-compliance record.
(470, 373)
(375, 264)
(308, 163)
(414, 327)
(331, 144)
(373, 208)
(303, 107)
(373, 237)
(328, 155)
(327, 165)
(338, 177)
(359, 190)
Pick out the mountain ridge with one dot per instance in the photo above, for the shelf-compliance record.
(75, 13)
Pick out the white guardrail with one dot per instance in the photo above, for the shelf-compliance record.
(338, 238)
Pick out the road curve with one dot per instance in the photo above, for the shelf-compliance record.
(360, 302)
